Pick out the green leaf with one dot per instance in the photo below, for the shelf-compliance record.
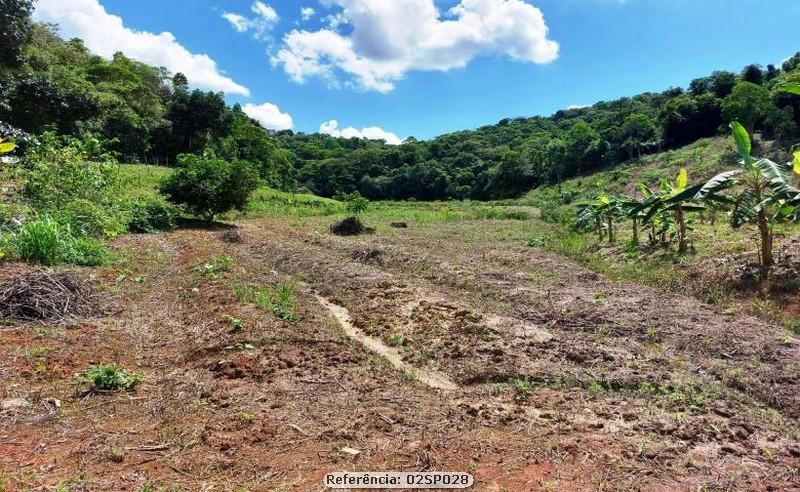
(745, 209)
(7, 147)
(742, 139)
(686, 194)
(718, 182)
(683, 180)
(776, 176)
(790, 88)
(796, 161)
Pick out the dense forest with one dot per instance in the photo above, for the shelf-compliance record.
(145, 114)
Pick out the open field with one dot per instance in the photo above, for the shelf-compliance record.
(553, 377)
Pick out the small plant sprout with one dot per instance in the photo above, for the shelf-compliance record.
(109, 377)
(396, 339)
(235, 323)
(524, 386)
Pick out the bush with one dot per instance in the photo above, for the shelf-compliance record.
(55, 177)
(84, 251)
(14, 214)
(152, 214)
(90, 219)
(209, 186)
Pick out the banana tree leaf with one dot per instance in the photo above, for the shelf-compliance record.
(777, 175)
(745, 209)
(686, 194)
(722, 199)
(742, 140)
(683, 180)
(719, 182)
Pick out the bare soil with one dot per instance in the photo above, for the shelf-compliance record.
(617, 386)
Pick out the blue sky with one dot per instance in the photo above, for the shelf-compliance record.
(394, 66)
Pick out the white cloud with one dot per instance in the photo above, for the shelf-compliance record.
(306, 13)
(370, 133)
(389, 39)
(105, 34)
(269, 115)
(260, 25)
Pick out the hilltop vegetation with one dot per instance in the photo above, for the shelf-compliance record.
(145, 114)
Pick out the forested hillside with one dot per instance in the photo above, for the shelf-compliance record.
(145, 114)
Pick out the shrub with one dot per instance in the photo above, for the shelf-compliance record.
(84, 251)
(109, 377)
(55, 177)
(90, 219)
(209, 186)
(150, 213)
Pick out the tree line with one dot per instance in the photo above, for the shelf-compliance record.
(144, 113)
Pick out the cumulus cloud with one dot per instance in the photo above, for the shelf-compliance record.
(389, 39)
(269, 115)
(105, 34)
(370, 133)
(260, 24)
(306, 13)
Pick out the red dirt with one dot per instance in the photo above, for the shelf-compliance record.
(632, 389)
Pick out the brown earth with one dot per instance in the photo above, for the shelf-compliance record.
(618, 386)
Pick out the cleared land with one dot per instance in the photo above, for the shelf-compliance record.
(565, 380)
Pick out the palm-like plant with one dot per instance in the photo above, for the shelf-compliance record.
(763, 191)
(597, 213)
(675, 199)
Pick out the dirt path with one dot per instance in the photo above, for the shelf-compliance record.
(432, 379)
(618, 387)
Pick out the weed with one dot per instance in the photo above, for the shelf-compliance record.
(653, 334)
(235, 323)
(109, 377)
(279, 300)
(539, 240)
(396, 339)
(41, 241)
(595, 387)
(524, 386)
(216, 265)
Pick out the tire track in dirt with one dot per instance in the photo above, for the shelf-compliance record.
(432, 379)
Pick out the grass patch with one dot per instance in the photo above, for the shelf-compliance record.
(279, 300)
(49, 242)
(216, 265)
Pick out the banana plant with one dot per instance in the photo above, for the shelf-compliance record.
(631, 209)
(675, 199)
(6, 146)
(764, 194)
(599, 213)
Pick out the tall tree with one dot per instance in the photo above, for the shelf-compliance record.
(15, 26)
